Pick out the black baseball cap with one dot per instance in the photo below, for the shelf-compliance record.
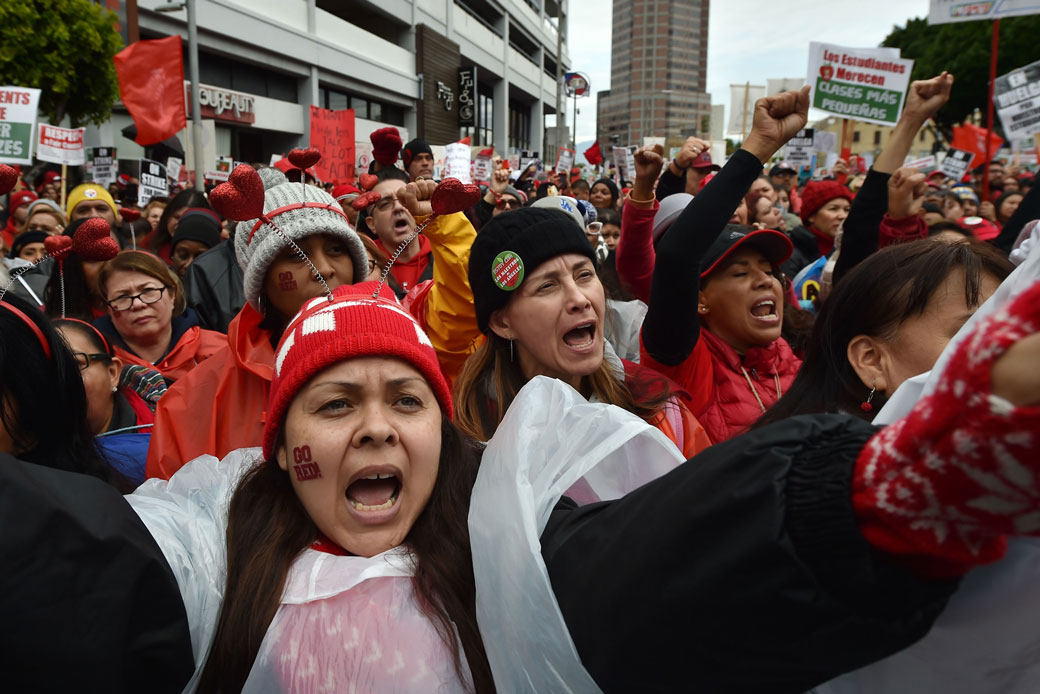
(782, 167)
(774, 245)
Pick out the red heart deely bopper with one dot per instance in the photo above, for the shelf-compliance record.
(241, 197)
(452, 196)
(365, 199)
(304, 158)
(8, 178)
(93, 241)
(57, 245)
(368, 181)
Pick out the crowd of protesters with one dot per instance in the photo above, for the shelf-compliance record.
(715, 428)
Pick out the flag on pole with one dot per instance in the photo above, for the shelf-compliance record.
(972, 138)
(594, 155)
(151, 86)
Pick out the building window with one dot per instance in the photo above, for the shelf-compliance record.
(855, 136)
(519, 127)
(364, 107)
(877, 137)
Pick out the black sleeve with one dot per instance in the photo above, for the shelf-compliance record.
(482, 212)
(743, 570)
(861, 232)
(672, 327)
(213, 287)
(670, 184)
(89, 602)
(1028, 210)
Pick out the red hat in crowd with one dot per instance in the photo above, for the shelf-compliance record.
(982, 229)
(703, 161)
(49, 177)
(386, 143)
(819, 193)
(22, 197)
(343, 190)
(353, 324)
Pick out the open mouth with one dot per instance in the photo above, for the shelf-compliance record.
(765, 310)
(401, 225)
(375, 492)
(581, 336)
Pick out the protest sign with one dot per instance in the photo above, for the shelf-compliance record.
(332, 133)
(17, 117)
(152, 182)
(527, 158)
(225, 165)
(858, 83)
(620, 162)
(742, 98)
(800, 148)
(630, 164)
(363, 155)
(103, 165)
(824, 141)
(956, 162)
(947, 11)
(1016, 96)
(928, 162)
(564, 160)
(173, 168)
(482, 168)
(457, 161)
(61, 145)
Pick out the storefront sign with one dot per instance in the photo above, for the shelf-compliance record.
(860, 84)
(61, 145)
(17, 117)
(467, 96)
(223, 104)
(152, 182)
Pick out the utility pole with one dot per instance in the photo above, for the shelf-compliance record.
(559, 80)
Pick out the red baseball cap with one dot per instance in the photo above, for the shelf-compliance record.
(703, 161)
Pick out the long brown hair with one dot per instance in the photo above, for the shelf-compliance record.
(491, 379)
(268, 527)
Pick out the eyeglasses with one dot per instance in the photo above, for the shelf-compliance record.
(593, 227)
(148, 296)
(509, 203)
(83, 360)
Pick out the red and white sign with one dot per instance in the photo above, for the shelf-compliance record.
(61, 145)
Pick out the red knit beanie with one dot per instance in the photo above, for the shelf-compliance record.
(386, 143)
(352, 325)
(819, 193)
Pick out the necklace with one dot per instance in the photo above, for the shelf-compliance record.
(751, 384)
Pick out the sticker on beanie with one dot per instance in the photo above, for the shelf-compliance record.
(90, 193)
(507, 270)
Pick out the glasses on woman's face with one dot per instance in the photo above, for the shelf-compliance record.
(83, 360)
(148, 296)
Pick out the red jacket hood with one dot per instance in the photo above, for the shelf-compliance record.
(250, 344)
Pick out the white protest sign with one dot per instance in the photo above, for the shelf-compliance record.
(61, 145)
(824, 141)
(947, 11)
(742, 98)
(173, 168)
(630, 164)
(482, 168)
(152, 182)
(1016, 96)
(527, 158)
(956, 162)
(922, 163)
(103, 160)
(362, 155)
(800, 148)
(858, 83)
(17, 116)
(620, 162)
(457, 161)
(564, 160)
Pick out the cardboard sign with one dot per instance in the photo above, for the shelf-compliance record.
(457, 161)
(332, 133)
(948, 11)
(956, 163)
(17, 117)
(482, 168)
(800, 148)
(61, 145)
(1016, 96)
(858, 83)
(152, 182)
(103, 165)
(564, 160)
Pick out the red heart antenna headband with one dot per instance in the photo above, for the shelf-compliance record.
(241, 199)
(8, 178)
(450, 196)
(92, 241)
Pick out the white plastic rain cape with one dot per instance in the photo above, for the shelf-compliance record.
(987, 640)
(345, 624)
(551, 441)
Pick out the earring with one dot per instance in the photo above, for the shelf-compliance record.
(510, 350)
(865, 405)
(260, 304)
(702, 309)
(114, 389)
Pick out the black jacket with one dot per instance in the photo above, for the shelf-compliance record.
(213, 287)
(742, 570)
(88, 601)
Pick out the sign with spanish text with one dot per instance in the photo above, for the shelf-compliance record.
(947, 11)
(17, 117)
(861, 84)
(457, 161)
(152, 182)
(801, 148)
(1016, 96)
(564, 160)
(103, 165)
(332, 133)
(61, 145)
(956, 163)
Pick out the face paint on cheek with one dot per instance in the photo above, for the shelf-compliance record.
(304, 468)
(286, 282)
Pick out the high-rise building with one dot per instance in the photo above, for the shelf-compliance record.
(658, 73)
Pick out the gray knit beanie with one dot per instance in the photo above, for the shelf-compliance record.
(256, 251)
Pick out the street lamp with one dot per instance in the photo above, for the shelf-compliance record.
(193, 59)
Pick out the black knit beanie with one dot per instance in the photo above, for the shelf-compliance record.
(512, 245)
(24, 239)
(412, 148)
(197, 224)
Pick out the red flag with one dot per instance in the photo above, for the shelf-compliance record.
(468, 140)
(972, 138)
(151, 85)
(594, 155)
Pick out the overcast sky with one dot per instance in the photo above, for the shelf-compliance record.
(747, 40)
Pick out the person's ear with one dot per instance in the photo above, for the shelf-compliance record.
(281, 457)
(869, 358)
(702, 303)
(115, 369)
(501, 325)
(370, 224)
